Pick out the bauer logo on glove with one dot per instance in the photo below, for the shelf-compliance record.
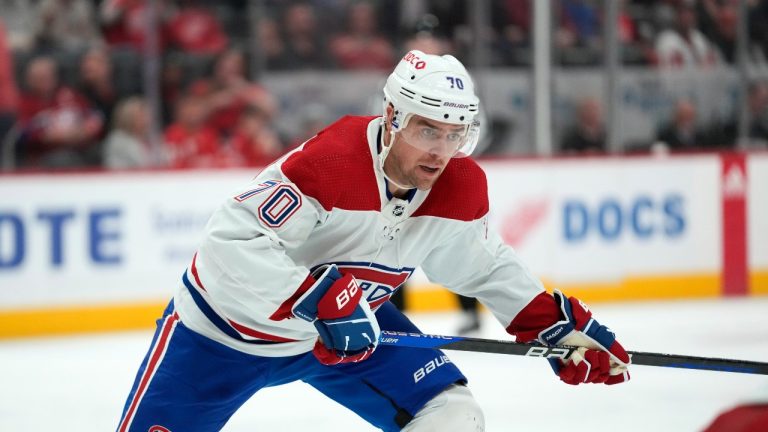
(347, 329)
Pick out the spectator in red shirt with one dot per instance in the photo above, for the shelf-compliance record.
(195, 29)
(60, 127)
(190, 141)
(124, 22)
(362, 46)
(229, 92)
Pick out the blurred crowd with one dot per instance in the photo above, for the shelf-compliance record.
(72, 90)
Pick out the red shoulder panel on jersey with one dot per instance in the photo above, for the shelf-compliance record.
(336, 167)
(460, 193)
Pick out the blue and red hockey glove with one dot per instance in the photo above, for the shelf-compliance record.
(601, 359)
(347, 327)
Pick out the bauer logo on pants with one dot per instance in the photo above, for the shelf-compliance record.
(429, 367)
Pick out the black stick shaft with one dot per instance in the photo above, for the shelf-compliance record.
(417, 340)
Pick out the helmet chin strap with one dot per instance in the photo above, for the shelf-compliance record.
(384, 152)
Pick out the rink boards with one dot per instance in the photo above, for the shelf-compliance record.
(103, 251)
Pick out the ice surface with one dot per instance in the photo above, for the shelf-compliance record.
(80, 383)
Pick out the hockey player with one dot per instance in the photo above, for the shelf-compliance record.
(293, 276)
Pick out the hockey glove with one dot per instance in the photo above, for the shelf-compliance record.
(602, 358)
(348, 329)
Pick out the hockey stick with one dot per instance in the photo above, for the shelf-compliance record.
(418, 340)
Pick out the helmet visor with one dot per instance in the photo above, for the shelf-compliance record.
(444, 139)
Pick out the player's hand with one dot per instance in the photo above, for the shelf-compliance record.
(347, 327)
(601, 359)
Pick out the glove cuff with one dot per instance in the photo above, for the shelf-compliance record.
(554, 334)
(306, 306)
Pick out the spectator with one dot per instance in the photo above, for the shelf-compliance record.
(190, 141)
(719, 22)
(97, 83)
(588, 134)
(254, 142)
(60, 127)
(517, 17)
(9, 94)
(512, 21)
(19, 17)
(305, 46)
(128, 145)
(229, 92)
(682, 133)
(361, 46)
(271, 45)
(758, 31)
(124, 22)
(68, 25)
(195, 29)
(626, 27)
(684, 46)
(579, 24)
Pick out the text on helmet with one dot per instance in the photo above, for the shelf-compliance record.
(455, 105)
(413, 59)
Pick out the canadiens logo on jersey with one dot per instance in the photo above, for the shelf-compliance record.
(377, 281)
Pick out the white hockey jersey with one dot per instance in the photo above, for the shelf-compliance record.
(326, 202)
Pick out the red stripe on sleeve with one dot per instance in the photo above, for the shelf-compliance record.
(194, 272)
(284, 311)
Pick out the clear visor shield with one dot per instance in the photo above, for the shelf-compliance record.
(443, 139)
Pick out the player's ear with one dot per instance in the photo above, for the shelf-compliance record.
(388, 118)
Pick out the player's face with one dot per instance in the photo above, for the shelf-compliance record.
(422, 150)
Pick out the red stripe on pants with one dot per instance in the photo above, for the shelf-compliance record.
(155, 357)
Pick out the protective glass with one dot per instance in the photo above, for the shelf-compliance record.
(447, 140)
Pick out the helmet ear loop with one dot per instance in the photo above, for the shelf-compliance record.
(390, 127)
(385, 148)
(385, 152)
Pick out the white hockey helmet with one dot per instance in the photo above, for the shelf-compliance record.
(437, 88)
